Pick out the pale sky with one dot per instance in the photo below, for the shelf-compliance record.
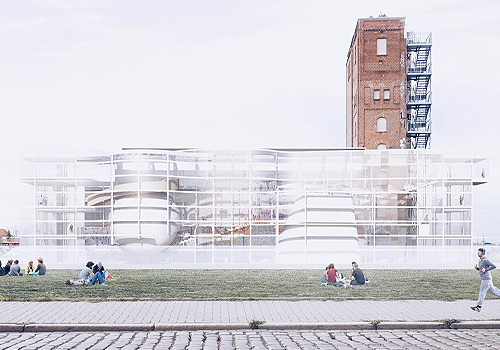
(227, 74)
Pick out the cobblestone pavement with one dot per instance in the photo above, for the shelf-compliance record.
(269, 340)
(223, 312)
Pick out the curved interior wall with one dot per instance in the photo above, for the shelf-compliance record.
(144, 220)
(142, 213)
(232, 206)
(320, 229)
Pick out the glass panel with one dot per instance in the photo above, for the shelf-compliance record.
(263, 241)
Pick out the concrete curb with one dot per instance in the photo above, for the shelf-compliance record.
(6, 327)
(410, 325)
(57, 327)
(476, 325)
(200, 326)
(318, 326)
(309, 326)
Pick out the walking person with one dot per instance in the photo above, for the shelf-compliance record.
(484, 267)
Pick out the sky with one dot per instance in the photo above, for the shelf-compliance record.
(100, 75)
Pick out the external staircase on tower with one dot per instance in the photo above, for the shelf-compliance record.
(418, 92)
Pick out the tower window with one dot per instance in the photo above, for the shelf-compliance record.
(381, 47)
(381, 125)
(376, 95)
(381, 146)
(387, 95)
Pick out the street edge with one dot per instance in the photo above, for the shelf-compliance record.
(56, 327)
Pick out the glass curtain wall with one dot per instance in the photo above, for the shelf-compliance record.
(53, 199)
(234, 199)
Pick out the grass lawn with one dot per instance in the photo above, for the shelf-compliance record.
(244, 284)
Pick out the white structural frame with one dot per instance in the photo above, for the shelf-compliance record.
(234, 201)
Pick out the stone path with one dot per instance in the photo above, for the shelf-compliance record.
(256, 340)
(240, 312)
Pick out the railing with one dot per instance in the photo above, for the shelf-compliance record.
(424, 69)
(414, 126)
(419, 38)
(427, 97)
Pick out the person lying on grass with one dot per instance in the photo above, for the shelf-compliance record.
(71, 282)
(87, 277)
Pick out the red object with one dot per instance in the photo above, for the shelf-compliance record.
(332, 275)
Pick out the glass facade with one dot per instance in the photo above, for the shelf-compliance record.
(238, 199)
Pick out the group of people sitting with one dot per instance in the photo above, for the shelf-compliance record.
(331, 276)
(12, 268)
(90, 274)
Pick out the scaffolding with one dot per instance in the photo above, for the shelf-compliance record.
(418, 92)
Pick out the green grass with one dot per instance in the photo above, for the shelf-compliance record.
(244, 284)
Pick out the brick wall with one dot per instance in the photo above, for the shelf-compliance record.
(366, 72)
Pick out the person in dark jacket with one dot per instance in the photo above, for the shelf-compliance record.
(6, 268)
(2, 272)
(357, 278)
(98, 268)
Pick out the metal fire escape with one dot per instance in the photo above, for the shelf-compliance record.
(418, 91)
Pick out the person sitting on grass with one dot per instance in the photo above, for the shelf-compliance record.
(30, 268)
(87, 277)
(86, 272)
(352, 269)
(41, 269)
(6, 268)
(324, 277)
(357, 276)
(98, 268)
(15, 269)
(332, 275)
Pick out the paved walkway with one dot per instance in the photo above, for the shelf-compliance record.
(174, 314)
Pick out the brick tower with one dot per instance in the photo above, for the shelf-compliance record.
(376, 84)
